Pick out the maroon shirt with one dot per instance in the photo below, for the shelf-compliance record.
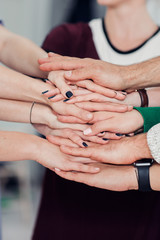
(71, 210)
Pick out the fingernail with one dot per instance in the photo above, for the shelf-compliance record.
(45, 91)
(105, 139)
(89, 116)
(57, 169)
(124, 93)
(45, 79)
(102, 132)
(68, 73)
(66, 100)
(69, 94)
(97, 169)
(51, 97)
(87, 131)
(85, 144)
(119, 134)
(115, 92)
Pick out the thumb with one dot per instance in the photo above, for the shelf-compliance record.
(98, 127)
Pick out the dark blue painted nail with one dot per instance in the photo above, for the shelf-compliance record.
(105, 139)
(66, 100)
(102, 132)
(45, 91)
(119, 134)
(44, 79)
(51, 97)
(69, 94)
(85, 144)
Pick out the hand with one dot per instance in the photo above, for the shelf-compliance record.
(121, 123)
(43, 115)
(124, 151)
(70, 110)
(110, 177)
(59, 137)
(132, 99)
(102, 73)
(45, 154)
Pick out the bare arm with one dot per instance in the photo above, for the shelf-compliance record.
(20, 53)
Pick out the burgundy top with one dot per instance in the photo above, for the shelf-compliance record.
(74, 211)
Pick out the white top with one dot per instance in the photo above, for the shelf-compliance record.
(149, 49)
(153, 140)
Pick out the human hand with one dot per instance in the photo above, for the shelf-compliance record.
(124, 151)
(118, 123)
(102, 73)
(44, 115)
(59, 137)
(57, 78)
(45, 153)
(110, 177)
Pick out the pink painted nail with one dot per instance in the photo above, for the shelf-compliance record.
(87, 131)
(68, 73)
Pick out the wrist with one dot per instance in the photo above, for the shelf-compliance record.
(140, 146)
(41, 114)
(133, 181)
(154, 173)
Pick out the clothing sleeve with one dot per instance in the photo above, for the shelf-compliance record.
(151, 116)
(153, 140)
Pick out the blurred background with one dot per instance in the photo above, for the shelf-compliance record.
(21, 182)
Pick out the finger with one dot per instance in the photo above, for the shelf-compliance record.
(58, 79)
(80, 152)
(69, 119)
(50, 93)
(78, 112)
(60, 141)
(51, 55)
(113, 136)
(79, 74)
(88, 84)
(108, 106)
(79, 167)
(76, 176)
(98, 127)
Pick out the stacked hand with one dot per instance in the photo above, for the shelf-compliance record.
(100, 114)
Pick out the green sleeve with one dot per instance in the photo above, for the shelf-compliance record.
(151, 116)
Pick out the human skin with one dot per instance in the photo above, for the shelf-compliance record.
(20, 53)
(40, 114)
(113, 177)
(16, 146)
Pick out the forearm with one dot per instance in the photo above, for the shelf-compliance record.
(16, 111)
(20, 54)
(17, 86)
(142, 75)
(16, 146)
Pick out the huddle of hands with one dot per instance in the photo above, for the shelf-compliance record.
(93, 126)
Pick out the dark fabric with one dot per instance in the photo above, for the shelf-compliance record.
(74, 211)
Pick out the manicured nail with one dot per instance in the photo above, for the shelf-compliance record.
(44, 79)
(102, 132)
(115, 92)
(69, 94)
(105, 139)
(51, 97)
(45, 91)
(124, 93)
(57, 169)
(68, 73)
(89, 116)
(66, 100)
(85, 144)
(87, 131)
(97, 169)
(119, 134)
